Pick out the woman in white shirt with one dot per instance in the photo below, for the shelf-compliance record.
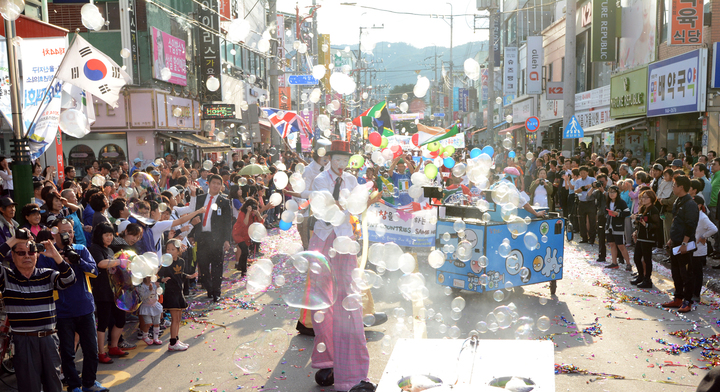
(540, 190)
(6, 175)
(704, 230)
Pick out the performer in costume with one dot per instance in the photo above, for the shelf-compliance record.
(346, 360)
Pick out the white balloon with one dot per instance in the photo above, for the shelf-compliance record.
(212, 83)
(318, 71)
(280, 180)
(238, 30)
(275, 199)
(404, 107)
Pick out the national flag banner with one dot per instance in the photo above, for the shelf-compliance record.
(81, 100)
(379, 115)
(363, 121)
(287, 122)
(93, 71)
(454, 130)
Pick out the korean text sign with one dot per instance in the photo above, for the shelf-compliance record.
(686, 22)
(169, 52)
(678, 84)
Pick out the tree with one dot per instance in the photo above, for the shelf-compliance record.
(397, 92)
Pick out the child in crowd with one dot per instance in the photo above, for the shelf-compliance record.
(173, 277)
(150, 310)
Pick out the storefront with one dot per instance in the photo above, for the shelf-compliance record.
(676, 98)
(592, 108)
(551, 119)
(522, 109)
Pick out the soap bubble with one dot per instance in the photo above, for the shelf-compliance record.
(531, 241)
(442, 328)
(166, 260)
(493, 327)
(254, 355)
(504, 249)
(524, 272)
(503, 316)
(446, 237)
(318, 317)
(484, 280)
(90, 15)
(498, 295)
(523, 332)
(543, 323)
(464, 251)
(447, 290)
(507, 144)
(380, 230)
(257, 232)
(207, 165)
(458, 304)
(369, 320)
(459, 170)
(313, 291)
(258, 276)
(543, 301)
(166, 74)
(436, 259)
(517, 227)
(238, 30)
(459, 225)
(454, 332)
(483, 261)
(529, 156)
(407, 263)
(481, 326)
(508, 285)
(486, 217)
(352, 302)
(98, 180)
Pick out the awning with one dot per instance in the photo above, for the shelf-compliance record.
(265, 124)
(209, 145)
(478, 130)
(547, 123)
(508, 130)
(623, 123)
(182, 138)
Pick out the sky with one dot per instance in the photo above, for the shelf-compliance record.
(342, 22)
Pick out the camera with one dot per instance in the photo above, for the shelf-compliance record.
(542, 181)
(597, 184)
(68, 252)
(40, 248)
(22, 234)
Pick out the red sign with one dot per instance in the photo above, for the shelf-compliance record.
(532, 124)
(686, 22)
(60, 160)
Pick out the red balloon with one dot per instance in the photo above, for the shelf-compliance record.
(375, 139)
(415, 139)
(397, 150)
(435, 153)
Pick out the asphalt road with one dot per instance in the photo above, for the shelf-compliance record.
(623, 343)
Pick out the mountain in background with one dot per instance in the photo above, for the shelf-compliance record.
(400, 60)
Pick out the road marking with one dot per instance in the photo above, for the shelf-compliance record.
(118, 377)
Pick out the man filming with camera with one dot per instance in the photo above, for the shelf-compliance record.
(599, 194)
(75, 310)
(27, 290)
(587, 209)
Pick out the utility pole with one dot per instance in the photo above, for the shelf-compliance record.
(360, 66)
(21, 165)
(569, 77)
(274, 60)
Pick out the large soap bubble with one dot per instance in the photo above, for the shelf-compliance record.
(257, 232)
(73, 122)
(262, 352)
(436, 259)
(145, 184)
(259, 276)
(531, 241)
(312, 286)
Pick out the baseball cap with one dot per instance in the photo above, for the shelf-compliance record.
(677, 163)
(6, 201)
(137, 160)
(174, 191)
(658, 167)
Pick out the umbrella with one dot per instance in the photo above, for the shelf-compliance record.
(513, 171)
(253, 170)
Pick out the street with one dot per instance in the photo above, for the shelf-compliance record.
(624, 343)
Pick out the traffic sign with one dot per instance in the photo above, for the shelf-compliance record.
(439, 114)
(302, 80)
(532, 124)
(573, 130)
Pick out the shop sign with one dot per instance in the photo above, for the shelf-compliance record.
(586, 13)
(592, 99)
(551, 109)
(608, 138)
(686, 23)
(209, 47)
(535, 59)
(602, 31)
(168, 53)
(511, 63)
(216, 111)
(715, 70)
(678, 84)
(627, 93)
(523, 110)
(554, 90)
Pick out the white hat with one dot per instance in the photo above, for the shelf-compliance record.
(173, 190)
(123, 225)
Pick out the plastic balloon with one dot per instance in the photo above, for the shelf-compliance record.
(449, 151)
(475, 152)
(356, 162)
(384, 142)
(434, 146)
(511, 154)
(488, 150)
(275, 199)
(431, 171)
(375, 139)
(449, 163)
(121, 282)
(280, 179)
(396, 150)
(257, 232)
(285, 225)
(415, 139)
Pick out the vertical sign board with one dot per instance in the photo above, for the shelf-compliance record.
(686, 22)
(535, 59)
(602, 33)
(209, 47)
(134, 42)
(281, 48)
(715, 81)
(496, 38)
(60, 162)
(678, 84)
(511, 62)
(484, 85)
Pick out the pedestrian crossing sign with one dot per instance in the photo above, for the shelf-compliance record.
(573, 130)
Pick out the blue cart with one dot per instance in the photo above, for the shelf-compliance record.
(522, 267)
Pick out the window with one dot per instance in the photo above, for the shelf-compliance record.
(112, 153)
(581, 63)
(81, 156)
(111, 13)
(550, 72)
(522, 82)
(562, 70)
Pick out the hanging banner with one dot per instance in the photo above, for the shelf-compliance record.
(511, 62)
(168, 52)
(60, 161)
(602, 31)
(686, 22)
(715, 69)
(209, 48)
(281, 47)
(678, 84)
(535, 59)
(497, 28)
(639, 23)
(409, 228)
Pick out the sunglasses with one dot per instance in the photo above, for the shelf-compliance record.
(23, 253)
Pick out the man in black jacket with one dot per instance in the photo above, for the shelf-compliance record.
(213, 235)
(682, 232)
(599, 195)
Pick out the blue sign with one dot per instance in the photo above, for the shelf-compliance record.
(302, 80)
(715, 80)
(532, 124)
(573, 130)
(439, 114)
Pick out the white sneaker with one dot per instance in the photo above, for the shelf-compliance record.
(182, 344)
(177, 347)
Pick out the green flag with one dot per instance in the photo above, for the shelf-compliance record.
(450, 133)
